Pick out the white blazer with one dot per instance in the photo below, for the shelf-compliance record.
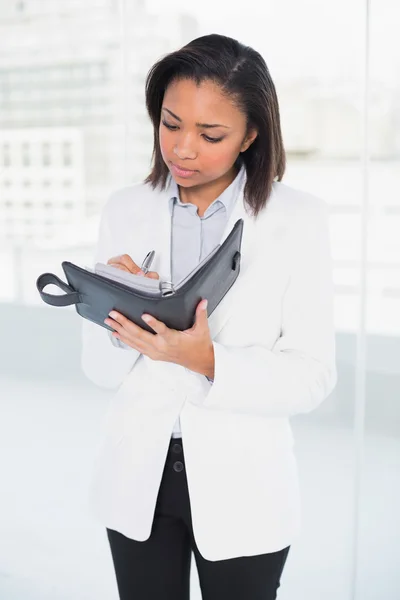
(274, 343)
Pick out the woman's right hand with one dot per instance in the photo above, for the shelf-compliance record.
(125, 263)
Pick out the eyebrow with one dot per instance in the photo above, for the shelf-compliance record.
(205, 125)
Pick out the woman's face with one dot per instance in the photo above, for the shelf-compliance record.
(201, 132)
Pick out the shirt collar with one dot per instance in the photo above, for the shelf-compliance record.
(228, 196)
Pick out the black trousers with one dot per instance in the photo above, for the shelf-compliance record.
(159, 568)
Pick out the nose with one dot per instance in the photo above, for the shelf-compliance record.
(185, 147)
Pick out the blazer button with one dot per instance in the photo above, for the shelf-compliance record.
(177, 448)
(178, 466)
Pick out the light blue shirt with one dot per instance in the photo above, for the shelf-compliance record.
(194, 237)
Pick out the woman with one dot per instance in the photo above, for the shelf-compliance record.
(198, 451)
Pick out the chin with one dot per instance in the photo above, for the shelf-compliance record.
(185, 183)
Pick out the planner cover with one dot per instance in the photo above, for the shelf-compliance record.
(95, 296)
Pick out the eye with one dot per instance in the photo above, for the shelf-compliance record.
(168, 126)
(213, 140)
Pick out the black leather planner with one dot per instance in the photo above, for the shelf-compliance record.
(95, 295)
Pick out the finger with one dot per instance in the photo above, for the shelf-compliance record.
(201, 319)
(158, 326)
(126, 261)
(114, 260)
(152, 275)
(124, 326)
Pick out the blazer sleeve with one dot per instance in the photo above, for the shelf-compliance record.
(299, 371)
(102, 360)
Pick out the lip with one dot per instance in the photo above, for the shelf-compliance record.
(182, 172)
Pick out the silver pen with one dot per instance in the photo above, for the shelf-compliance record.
(147, 261)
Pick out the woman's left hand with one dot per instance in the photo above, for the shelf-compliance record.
(191, 348)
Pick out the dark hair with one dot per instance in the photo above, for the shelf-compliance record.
(242, 75)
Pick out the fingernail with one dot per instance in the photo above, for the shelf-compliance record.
(140, 273)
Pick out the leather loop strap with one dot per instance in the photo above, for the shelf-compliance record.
(71, 297)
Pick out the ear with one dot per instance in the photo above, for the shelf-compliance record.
(248, 140)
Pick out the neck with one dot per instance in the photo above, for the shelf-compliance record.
(204, 195)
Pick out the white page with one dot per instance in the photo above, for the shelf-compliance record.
(145, 284)
(137, 282)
